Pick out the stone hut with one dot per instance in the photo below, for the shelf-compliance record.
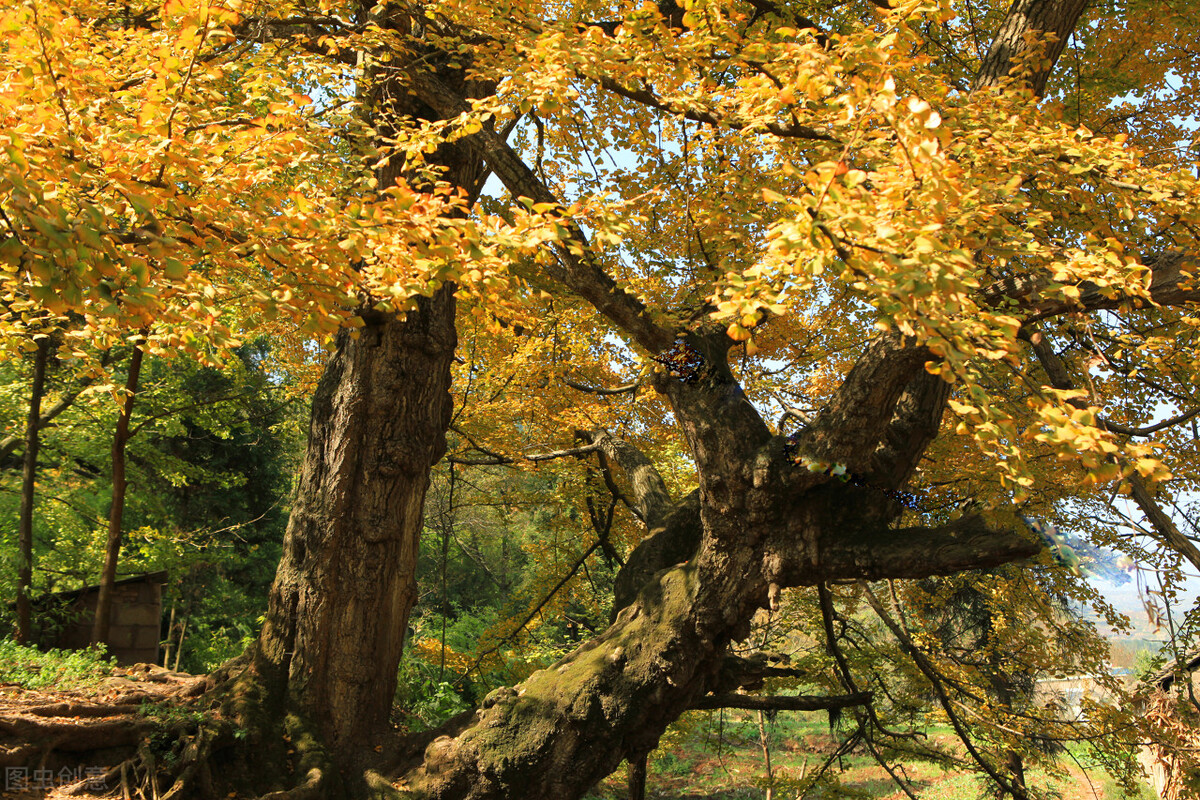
(65, 619)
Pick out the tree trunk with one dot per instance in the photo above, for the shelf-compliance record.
(112, 549)
(334, 632)
(764, 743)
(340, 603)
(1057, 18)
(637, 776)
(28, 479)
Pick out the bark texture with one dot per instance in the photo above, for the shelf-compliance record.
(334, 632)
(1045, 25)
(340, 603)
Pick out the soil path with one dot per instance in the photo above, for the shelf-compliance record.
(70, 743)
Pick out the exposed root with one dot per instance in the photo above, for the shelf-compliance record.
(83, 710)
(309, 790)
(73, 743)
(74, 735)
(175, 737)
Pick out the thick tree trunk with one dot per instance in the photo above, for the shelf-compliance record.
(334, 632)
(340, 603)
(116, 514)
(764, 521)
(28, 480)
(1050, 22)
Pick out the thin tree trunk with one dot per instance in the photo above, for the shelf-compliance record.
(170, 634)
(28, 479)
(637, 776)
(112, 549)
(764, 741)
(179, 644)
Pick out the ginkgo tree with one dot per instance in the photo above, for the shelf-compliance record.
(856, 216)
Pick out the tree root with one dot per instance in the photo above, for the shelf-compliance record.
(83, 710)
(309, 790)
(178, 740)
(74, 735)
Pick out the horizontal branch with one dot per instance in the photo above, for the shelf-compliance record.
(650, 494)
(846, 548)
(1150, 430)
(646, 97)
(497, 460)
(1170, 285)
(738, 672)
(782, 702)
(600, 390)
(307, 32)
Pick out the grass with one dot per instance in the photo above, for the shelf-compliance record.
(703, 758)
(31, 668)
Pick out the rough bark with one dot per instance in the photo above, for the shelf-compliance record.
(848, 432)
(673, 541)
(334, 632)
(637, 778)
(28, 481)
(116, 513)
(651, 500)
(340, 602)
(1049, 23)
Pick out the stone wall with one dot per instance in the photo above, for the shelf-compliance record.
(136, 627)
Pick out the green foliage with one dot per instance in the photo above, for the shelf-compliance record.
(53, 669)
(427, 700)
(1148, 663)
(495, 545)
(210, 465)
(170, 714)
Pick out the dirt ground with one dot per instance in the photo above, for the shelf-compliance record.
(77, 739)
